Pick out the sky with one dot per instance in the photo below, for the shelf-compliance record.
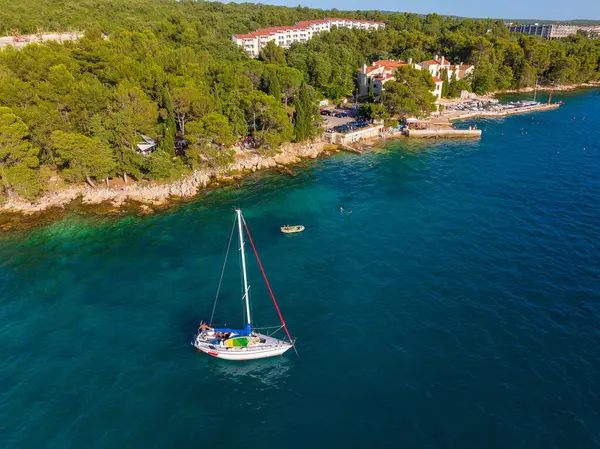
(505, 9)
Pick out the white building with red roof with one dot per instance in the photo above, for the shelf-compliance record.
(284, 36)
(380, 72)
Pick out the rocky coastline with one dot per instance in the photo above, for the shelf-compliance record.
(147, 196)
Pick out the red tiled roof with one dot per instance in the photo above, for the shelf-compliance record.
(436, 80)
(355, 20)
(384, 77)
(311, 22)
(389, 63)
(431, 62)
(298, 26)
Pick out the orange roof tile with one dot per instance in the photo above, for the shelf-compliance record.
(384, 77)
(389, 63)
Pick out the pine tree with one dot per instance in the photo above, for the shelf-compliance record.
(444, 77)
(274, 88)
(304, 115)
(453, 90)
(18, 157)
(167, 143)
(169, 126)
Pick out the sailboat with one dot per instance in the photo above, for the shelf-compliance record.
(247, 343)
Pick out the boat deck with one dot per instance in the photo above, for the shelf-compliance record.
(207, 341)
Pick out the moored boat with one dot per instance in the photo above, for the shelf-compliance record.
(246, 343)
(292, 229)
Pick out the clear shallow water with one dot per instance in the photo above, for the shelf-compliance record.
(457, 306)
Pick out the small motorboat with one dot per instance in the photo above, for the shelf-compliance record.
(292, 229)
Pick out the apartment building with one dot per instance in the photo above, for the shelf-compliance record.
(284, 36)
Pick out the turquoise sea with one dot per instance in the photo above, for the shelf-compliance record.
(457, 306)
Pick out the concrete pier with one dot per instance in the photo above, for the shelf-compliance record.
(443, 133)
(352, 137)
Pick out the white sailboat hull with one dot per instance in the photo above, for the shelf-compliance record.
(271, 348)
(242, 356)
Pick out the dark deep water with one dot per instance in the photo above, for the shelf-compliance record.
(458, 306)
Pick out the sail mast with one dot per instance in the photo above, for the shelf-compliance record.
(246, 297)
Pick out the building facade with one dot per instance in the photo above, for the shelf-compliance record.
(380, 72)
(284, 36)
(376, 75)
(551, 31)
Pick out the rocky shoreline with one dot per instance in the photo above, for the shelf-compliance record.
(556, 88)
(146, 196)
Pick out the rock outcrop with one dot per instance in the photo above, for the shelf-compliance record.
(156, 194)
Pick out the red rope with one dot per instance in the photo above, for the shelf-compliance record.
(267, 282)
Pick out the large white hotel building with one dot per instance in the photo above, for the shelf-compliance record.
(285, 36)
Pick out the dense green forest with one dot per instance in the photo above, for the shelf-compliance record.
(168, 70)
